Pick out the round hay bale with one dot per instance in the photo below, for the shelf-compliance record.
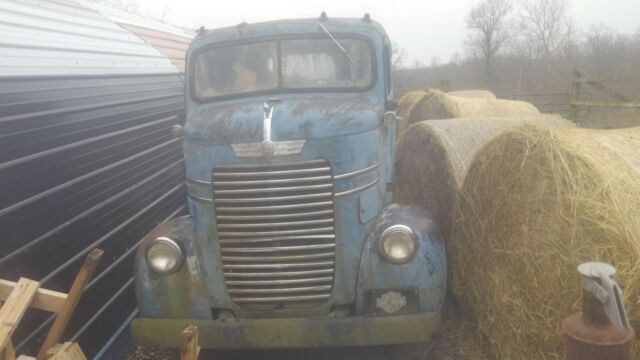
(479, 94)
(537, 202)
(408, 100)
(436, 105)
(433, 158)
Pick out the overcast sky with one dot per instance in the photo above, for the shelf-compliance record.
(426, 28)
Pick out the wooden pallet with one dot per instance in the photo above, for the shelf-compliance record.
(20, 296)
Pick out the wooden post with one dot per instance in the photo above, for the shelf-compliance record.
(12, 311)
(66, 351)
(575, 94)
(70, 303)
(9, 352)
(190, 343)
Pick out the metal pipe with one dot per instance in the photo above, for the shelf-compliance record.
(601, 331)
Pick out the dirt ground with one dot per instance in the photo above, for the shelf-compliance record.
(352, 353)
(369, 353)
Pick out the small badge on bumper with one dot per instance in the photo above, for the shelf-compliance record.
(391, 302)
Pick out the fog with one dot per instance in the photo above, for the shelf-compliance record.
(428, 29)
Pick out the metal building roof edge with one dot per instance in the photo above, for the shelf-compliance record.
(62, 41)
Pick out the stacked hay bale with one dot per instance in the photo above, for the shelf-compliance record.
(480, 94)
(537, 202)
(435, 104)
(433, 158)
(408, 101)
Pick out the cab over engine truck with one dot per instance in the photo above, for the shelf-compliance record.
(292, 239)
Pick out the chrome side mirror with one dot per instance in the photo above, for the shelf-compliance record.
(176, 130)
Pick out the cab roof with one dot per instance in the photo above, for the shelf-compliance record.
(245, 31)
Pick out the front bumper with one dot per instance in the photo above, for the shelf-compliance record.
(290, 332)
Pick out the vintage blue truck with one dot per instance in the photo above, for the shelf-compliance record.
(292, 238)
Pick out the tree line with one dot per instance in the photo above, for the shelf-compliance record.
(530, 46)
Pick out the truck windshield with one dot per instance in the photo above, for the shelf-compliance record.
(302, 64)
(236, 69)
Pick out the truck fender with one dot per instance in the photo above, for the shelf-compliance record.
(424, 277)
(181, 294)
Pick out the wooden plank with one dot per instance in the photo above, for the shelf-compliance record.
(14, 308)
(9, 351)
(47, 300)
(68, 351)
(190, 343)
(64, 315)
(606, 104)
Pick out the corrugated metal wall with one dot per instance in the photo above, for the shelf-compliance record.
(62, 38)
(86, 162)
(86, 158)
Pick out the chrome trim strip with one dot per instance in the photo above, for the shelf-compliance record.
(278, 238)
(353, 191)
(271, 165)
(357, 172)
(278, 274)
(270, 190)
(278, 224)
(199, 182)
(267, 233)
(275, 198)
(272, 207)
(275, 216)
(197, 198)
(280, 282)
(280, 290)
(272, 181)
(281, 298)
(277, 248)
(251, 258)
(269, 173)
(279, 266)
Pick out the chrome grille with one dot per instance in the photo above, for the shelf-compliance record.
(276, 231)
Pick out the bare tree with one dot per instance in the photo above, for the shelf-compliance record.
(489, 31)
(435, 61)
(456, 58)
(130, 6)
(571, 40)
(544, 22)
(165, 14)
(398, 55)
(600, 46)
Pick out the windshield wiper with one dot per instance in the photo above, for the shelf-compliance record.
(337, 44)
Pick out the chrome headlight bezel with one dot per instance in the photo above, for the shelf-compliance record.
(173, 245)
(395, 230)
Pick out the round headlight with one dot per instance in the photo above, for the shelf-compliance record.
(398, 244)
(163, 255)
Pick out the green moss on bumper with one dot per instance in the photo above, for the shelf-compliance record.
(290, 333)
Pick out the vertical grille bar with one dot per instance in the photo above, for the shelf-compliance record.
(276, 231)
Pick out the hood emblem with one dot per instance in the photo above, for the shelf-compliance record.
(268, 148)
(267, 144)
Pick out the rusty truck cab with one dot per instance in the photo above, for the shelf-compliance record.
(292, 238)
